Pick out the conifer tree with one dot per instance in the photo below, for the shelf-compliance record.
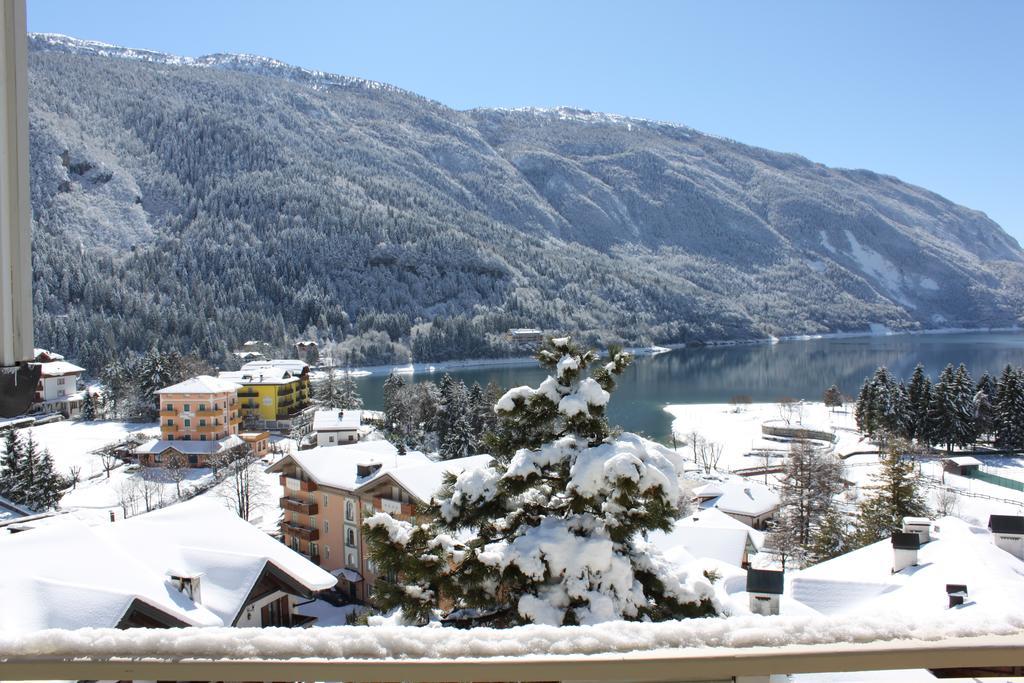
(46, 487)
(919, 397)
(984, 406)
(327, 392)
(349, 398)
(88, 406)
(810, 482)
(833, 397)
(1009, 413)
(554, 526)
(831, 538)
(11, 486)
(895, 494)
(942, 409)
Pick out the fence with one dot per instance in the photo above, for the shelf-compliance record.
(996, 479)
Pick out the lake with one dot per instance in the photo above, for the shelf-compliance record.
(799, 369)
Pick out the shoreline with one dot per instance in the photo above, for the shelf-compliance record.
(653, 350)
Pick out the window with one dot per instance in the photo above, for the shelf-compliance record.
(327, 527)
(325, 500)
(351, 438)
(202, 406)
(350, 538)
(330, 439)
(202, 437)
(170, 422)
(170, 437)
(202, 422)
(312, 522)
(60, 380)
(314, 550)
(350, 511)
(188, 422)
(187, 407)
(187, 437)
(327, 552)
(350, 560)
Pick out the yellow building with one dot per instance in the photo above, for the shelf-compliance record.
(274, 395)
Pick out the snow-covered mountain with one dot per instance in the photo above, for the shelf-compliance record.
(273, 199)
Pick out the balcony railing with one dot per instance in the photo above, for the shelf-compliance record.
(293, 484)
(303, 532)
(299, 506)
(183, 655)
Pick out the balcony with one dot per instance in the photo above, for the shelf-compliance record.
(313, 557)
(209, 413)
(168, 412)
(299, 506)
(248, 394)
(394, 507)
(298, 531)
(293, 484)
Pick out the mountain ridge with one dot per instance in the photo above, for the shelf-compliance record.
(455, 225)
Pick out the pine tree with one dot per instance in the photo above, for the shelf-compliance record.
(831, 538)
(878, 405)
(47, 486)
(555, 525)
(895, 494)
(942, 409)
(348, 394)
(11, 486)
(1009, 412)
(965, 428)
(984, 406)
(864, 410)
(327, 392)
(88, 406)
(460, 440)
(810, 481)
(919, 397)
(396, 410)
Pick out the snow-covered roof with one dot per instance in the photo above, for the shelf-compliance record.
(708, 533)
(424, 479)
(203, 537)
(337, 420)
(738, 495)
(963, 460)
(36, 353)
(293, 365)
(58, 368)
(269, 375)
(201, 384)
(69, 576)
(189, 447)
(862, 581)
(336, 466)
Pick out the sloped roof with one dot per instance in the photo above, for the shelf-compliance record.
(963, 460)
(10, 510)
(337, 420)
(59, 368)
(200, 384)
(1006, 524)
(202, 536)
(424, 479)
(190, 447)
(335, 466)
(293, 365)
(68, 576)
(862, 582)
(738, 495)
(723, 544)
(266, 376)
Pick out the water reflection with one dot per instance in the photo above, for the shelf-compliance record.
(799, 369)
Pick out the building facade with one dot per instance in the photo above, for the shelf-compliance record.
(274, 395)
(58, 388)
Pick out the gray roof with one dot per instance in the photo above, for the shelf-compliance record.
(1006, 524)
(765, 581)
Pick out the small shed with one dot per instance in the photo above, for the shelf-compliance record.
(964, 465)
(905, 546)
(764, 586)
(1008, 533)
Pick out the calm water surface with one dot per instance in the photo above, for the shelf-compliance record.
(798, 369)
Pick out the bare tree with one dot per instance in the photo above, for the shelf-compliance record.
(243, 486)
(150, 491)
(947, 502)
(708, 454)
(783, 543)
(128, 497)
(790, 409)
(74, 476)
(108, 459)
(694, 439)
(176, 466)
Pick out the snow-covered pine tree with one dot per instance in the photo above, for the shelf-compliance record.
(878, 405)
(349, 398)
(831, 538)
(555, 525)
(919, 396)
(88, 406)
(984, 406)
(327, 392)
(942, 409)
(894, 494)
(46, 487)
(965, 428)
(11, 486)
(460, 440)
(864, 410)
(1009, 412)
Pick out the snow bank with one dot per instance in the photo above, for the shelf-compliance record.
(398, 642)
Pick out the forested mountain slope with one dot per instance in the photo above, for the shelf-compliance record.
(197, 203)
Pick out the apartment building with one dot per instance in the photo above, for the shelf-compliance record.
(329, 491)
(273, 395)
(57, 390)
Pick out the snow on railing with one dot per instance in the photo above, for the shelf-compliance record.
(691, 649)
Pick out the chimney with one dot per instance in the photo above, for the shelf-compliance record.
(1008, 533)
(920, 526)
(957, 594)
(764, 587)
(190, 585)
(904, 547)
(366, 469)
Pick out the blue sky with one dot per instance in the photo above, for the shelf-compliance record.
(930, 91)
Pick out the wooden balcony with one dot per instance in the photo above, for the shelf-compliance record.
(300, 506)
(298, 531)
(293, 484)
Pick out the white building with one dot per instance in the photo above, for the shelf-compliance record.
(337, 427)
(709, 533)
(191, 564)
(57, 390)
(742, 499)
